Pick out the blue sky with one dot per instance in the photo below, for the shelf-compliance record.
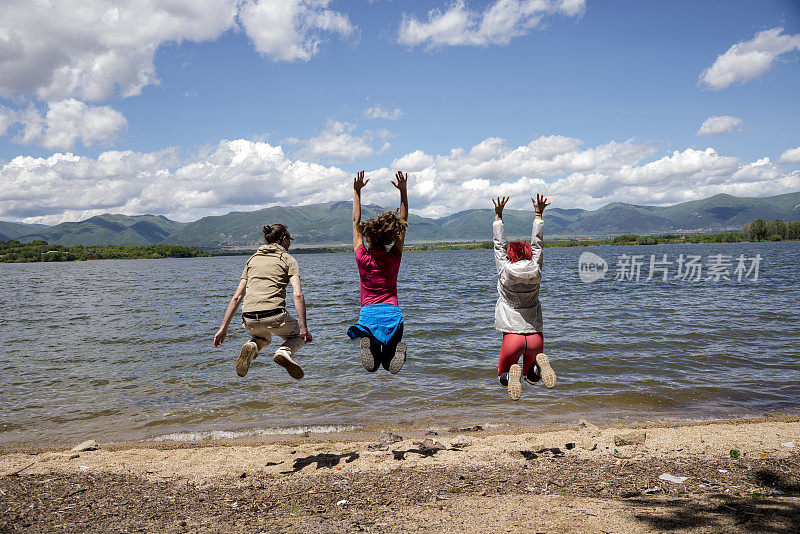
(208, 107)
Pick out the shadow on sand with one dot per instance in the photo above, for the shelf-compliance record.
(322, 460)
(777, 511)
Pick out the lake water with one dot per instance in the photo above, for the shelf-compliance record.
(122, 350)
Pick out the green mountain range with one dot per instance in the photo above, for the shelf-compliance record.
(15, 230)
(330, 223)
(107, 229)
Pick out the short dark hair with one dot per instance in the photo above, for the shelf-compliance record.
(274, 233)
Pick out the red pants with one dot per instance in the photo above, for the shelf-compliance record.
(516, 345)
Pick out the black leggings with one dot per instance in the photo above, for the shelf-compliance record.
(384, 353)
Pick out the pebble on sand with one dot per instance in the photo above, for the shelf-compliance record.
(460, 442)
(88, 445)
(636, 437)
(586, 426)
(588, 435)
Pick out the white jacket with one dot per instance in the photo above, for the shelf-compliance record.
(518, 310)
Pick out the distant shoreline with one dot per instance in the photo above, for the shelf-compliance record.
(628, 239)
(40, 251)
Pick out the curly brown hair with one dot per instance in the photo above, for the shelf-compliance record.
(383, 229)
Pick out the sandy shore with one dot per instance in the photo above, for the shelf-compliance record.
(739, 476)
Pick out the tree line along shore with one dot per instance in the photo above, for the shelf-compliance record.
(35, 251)
(16, 252)
(758, 230)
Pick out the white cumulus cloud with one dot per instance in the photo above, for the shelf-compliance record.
(235, 175)
(8, 117)
(497, 24)
(749, 59)
(337, 143)
(719, 124)
(377, 112)
(65, 123)
(290, 30)
(242, 175)
(790, 156)
(95, 50)
(578, 176)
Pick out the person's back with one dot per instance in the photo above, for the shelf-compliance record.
(518, 281)
(518, 312)
(380, 321)
(262, 287)
(267, 273)
(378, 270)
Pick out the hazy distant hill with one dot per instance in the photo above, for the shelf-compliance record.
(108, 229)
(717, 213)
(619, 218)
(317, 224)
(475, 225)
(15, 230)
(727, 211)
(330, 223)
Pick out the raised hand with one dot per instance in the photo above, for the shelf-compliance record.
(359, 182)
(402, 180)
(539, 203)
(499, 204)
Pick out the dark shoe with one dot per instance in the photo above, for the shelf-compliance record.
(284, 360)
(395, 363)
(503, 380)
(534, 375)
(548, 375)
(368, 360)
(514, 385)
(246, 355)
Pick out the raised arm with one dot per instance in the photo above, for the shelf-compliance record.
(400, 184)
(358, 184)
(539, 204)
(499, 232)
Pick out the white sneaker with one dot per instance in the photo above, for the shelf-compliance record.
(514, 385)
(548, 375)
(284, 360)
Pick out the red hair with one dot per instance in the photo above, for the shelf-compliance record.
(519, 250)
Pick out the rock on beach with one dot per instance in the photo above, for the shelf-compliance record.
(88, 445)
(631, 438)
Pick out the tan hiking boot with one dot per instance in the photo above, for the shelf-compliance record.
(367, 359)
(246, 356)
(398, 359)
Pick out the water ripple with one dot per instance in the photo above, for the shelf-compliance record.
(124, 351)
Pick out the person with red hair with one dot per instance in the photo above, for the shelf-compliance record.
(518, 313)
